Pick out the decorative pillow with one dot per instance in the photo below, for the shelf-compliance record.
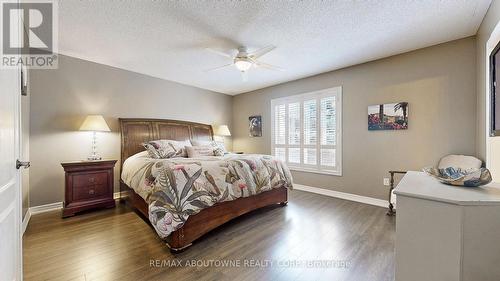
(219, 149)
(202, 150)
(166, 148)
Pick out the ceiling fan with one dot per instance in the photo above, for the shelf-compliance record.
(244, 60)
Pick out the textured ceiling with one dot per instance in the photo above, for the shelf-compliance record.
(167, 39)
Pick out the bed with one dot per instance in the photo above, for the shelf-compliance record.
(203, 215)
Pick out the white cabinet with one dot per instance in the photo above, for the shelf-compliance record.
(446, 232)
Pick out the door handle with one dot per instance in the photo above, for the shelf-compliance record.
(24, 164)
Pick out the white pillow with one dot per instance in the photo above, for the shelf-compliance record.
(183, 145)
(201, 150)
(219, 149)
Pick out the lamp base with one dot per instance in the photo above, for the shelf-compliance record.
(94, 158)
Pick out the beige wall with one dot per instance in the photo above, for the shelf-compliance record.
(61, 98)
(439, 84)
(482, 51)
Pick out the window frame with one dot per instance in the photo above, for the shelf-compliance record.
(317, 95)
(493, 88)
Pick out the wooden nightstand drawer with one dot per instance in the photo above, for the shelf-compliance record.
(89, 185)
(90, 191)
(83, 180)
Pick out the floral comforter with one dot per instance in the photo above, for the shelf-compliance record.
(176, 188)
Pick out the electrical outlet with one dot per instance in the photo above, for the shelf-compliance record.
(387, 182)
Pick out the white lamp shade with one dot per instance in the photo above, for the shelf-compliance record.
(223, 130)
(95, 123)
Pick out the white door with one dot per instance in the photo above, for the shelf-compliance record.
(10, 198)
(10, 195)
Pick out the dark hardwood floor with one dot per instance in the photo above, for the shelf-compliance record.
(345, 240)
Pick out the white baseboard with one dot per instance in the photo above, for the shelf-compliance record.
(26, 220)
(56, 206)
(343, 195)
(46, 208)
(118, 195)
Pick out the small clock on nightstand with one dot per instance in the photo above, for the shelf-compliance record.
(89, 185)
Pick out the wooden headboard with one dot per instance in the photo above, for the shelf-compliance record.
(136, 131)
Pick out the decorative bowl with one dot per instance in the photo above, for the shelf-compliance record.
(459, 177)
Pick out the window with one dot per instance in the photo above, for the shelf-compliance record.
(306, 131)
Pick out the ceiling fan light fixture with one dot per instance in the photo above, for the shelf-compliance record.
(243, 65)
(244, 60)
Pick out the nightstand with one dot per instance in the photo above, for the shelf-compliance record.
(89, 185)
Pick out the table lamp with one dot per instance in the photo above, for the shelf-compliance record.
(222, 131)
(94, 123)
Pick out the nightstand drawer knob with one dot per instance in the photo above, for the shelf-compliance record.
(91, 192)
(91, 179)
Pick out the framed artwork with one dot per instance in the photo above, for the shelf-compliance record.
(389, 116)
(494, 94)
(255, 126)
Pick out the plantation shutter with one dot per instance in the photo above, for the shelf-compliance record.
(328, 131)
(294, 133)
(279, 131)
(306, 131)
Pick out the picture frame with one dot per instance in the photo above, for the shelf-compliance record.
(255, 126)
(389, 116)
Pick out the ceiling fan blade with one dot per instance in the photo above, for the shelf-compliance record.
(218, 67)
(244, 76)
(259, 53)
(268, 66)
(219, 53)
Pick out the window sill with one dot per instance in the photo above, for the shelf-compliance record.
(331, 173)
